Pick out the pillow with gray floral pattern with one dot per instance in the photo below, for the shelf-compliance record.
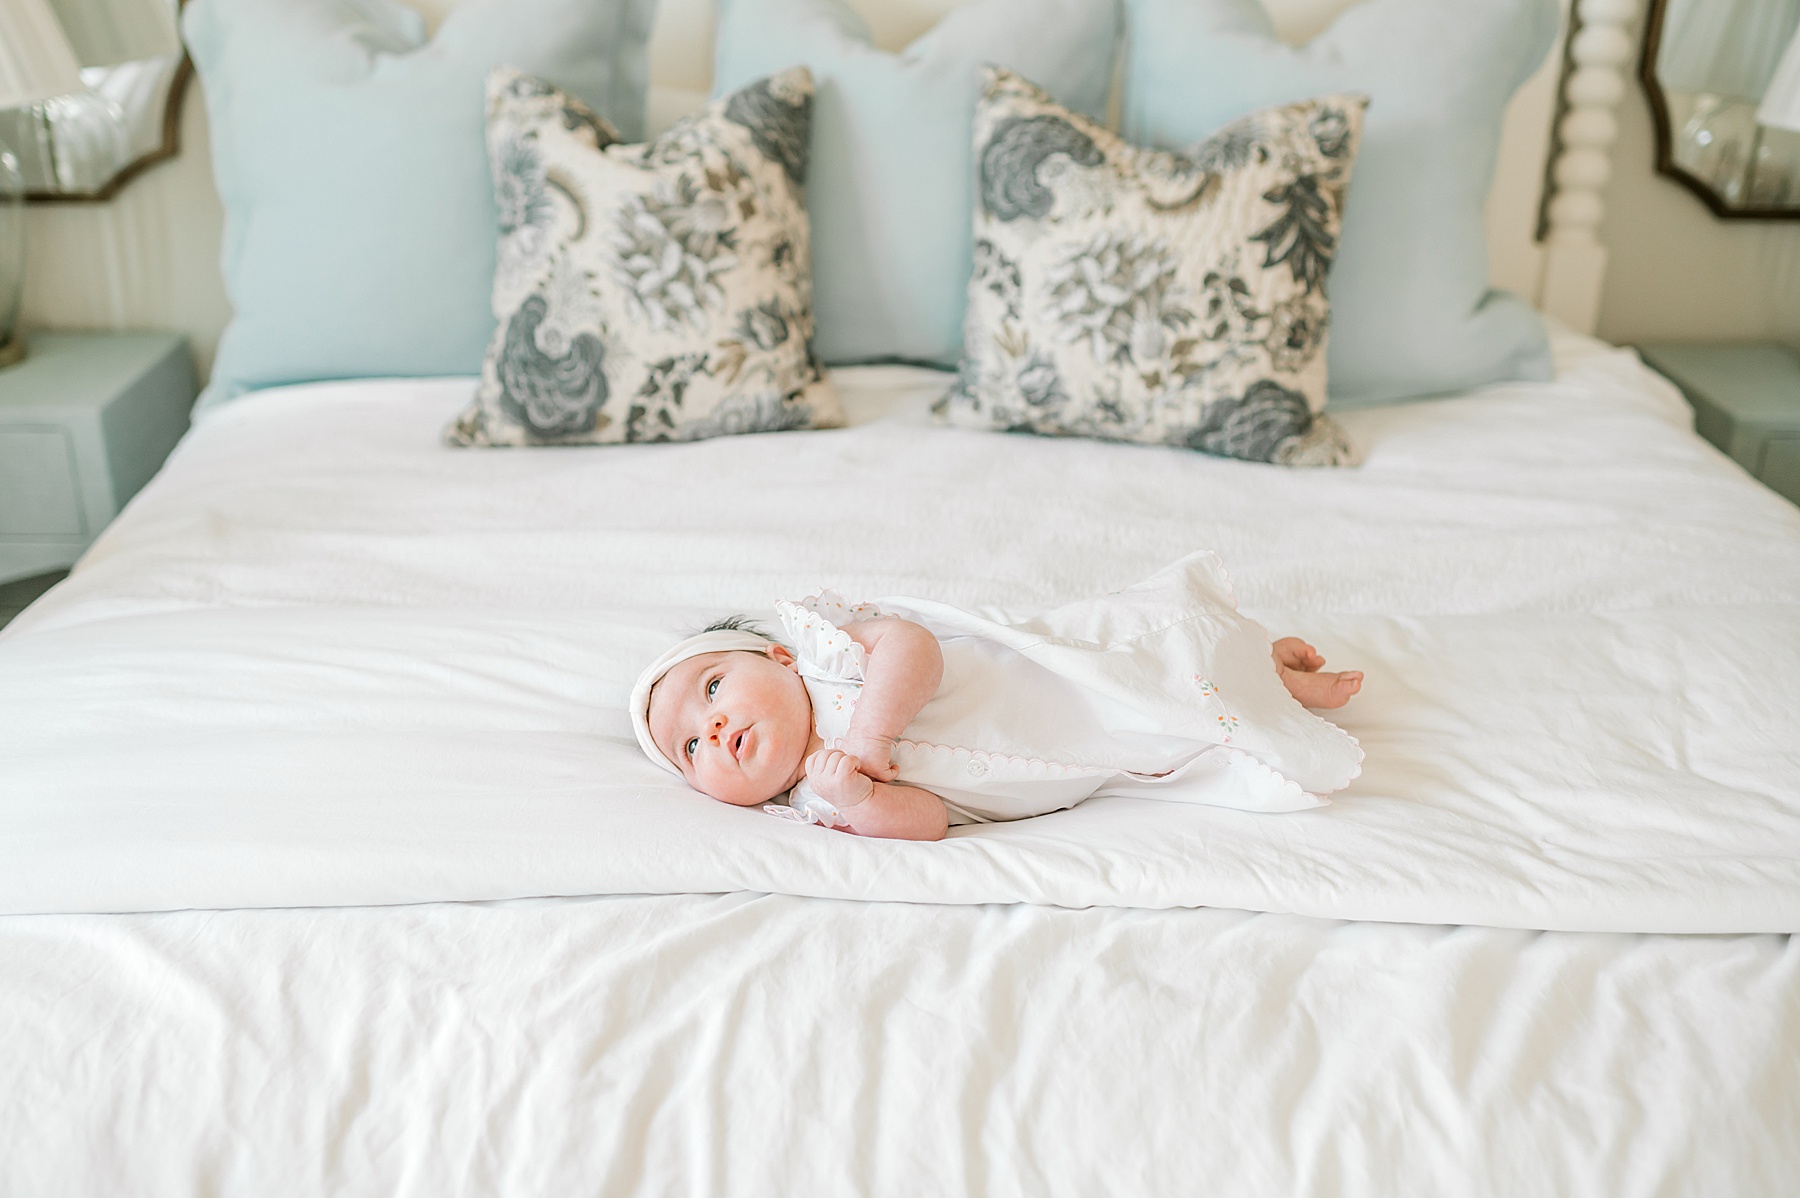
(658, 292)
(1140, 295)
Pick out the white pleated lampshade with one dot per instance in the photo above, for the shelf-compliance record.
(36, 61)
(105, 33)
(1780, 107)
(1726, 48)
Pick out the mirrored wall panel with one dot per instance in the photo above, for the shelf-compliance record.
(1723, 77)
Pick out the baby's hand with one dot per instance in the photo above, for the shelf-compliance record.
(874, 756)
(838, 777)
(1295, 654)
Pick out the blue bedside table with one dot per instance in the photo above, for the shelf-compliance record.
(1746, 400)
(85, 420)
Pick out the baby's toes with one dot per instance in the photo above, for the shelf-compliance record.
(1323, 690)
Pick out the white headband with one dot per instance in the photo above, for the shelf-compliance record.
(722, 641)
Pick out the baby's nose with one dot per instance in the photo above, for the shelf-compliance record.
(718, 723)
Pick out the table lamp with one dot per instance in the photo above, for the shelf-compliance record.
(36, 63)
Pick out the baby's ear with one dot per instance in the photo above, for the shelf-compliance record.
(782, 654)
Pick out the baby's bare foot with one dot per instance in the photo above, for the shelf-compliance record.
(1315, 688)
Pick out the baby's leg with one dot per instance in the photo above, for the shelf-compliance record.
(1298, 664)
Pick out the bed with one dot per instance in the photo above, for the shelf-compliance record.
(328, 864)
(340, 680)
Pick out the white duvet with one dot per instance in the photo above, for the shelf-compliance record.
(323, 660)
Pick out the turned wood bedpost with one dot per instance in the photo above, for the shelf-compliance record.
(1600, 47)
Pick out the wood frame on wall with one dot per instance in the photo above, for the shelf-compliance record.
(1665, 137)
(165, 150)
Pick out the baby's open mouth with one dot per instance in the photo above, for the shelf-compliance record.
(737, 744)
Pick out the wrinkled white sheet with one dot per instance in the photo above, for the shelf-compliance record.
(322, 660)
(756, 1045)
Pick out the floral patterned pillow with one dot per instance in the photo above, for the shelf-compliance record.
(1139, 295)
(658, 292)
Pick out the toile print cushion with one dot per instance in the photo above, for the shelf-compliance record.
(1141, 295)
(657, 292)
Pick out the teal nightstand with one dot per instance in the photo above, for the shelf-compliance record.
(85, 420)
(1746, 399)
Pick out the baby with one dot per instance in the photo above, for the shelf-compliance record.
(900, 719)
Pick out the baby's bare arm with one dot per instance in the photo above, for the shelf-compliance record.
(876, 808)
(900, 812)
(902, 673)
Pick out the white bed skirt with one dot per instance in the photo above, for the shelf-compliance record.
(756, 1045)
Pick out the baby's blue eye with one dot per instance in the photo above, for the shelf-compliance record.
(691, 746)
(712, 688)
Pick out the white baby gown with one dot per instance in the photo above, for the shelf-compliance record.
(1162, 690)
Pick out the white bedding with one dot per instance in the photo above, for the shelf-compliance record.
(322, 660)
(312, 667)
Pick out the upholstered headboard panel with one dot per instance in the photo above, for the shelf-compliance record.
(150, 258)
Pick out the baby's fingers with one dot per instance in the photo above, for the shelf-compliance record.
(1296, 654)
(833, 763)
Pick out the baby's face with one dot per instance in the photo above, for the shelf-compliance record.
(737, 723)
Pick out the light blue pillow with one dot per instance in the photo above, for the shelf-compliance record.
(349, 152)
(890, 186)
(1411, 309)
